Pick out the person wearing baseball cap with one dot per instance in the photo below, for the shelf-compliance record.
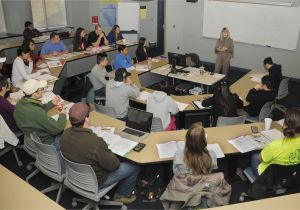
(79, 144)
(118, 92)
(31, 115)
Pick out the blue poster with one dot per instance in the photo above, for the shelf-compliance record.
(108, 14)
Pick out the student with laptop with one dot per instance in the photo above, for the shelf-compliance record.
(259, 95)
(118, 92)
(274, 72)
(81, 145)
(122, 59)
(162, 105)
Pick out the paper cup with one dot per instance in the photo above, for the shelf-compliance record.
(268, 122)
(124, 41)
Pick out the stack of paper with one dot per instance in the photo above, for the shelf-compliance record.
(198, 104)
(272, 134)
(181, 106)
(47, 96)
(117, 144)
(256, 77)
(249, 143)
(141, 67)
(143, 96)
(47, 77)
(54, 63)
(168, 149)
(155, 60)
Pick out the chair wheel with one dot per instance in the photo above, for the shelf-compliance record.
(74, 204)
(20, 163)
(29, 167)
(123, 207)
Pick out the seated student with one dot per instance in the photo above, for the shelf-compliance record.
(97, 78)
(162, 105)
(79, 42)
(115, 36)
(20, 70)
(6, 108)
(192, 167)
(31, 115)
(54, 47)
(81, 145)
(259, 95)
(118, 92)
(274, 72)
(36, 59)
(30, 32)
(195, 158)
(122, 59)
(223, 102)
(97, 38)
(142, 51)
(284, 151)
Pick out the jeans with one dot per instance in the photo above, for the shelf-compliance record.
(255, 161)
(91, 96)
(127, 174)
(56, 144)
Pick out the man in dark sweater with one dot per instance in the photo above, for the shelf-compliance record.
(274, 72)
(81, 145)
(30, 32)
(259, 95)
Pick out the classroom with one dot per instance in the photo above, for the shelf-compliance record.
(150, 104)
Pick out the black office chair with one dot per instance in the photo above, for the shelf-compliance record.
(276, 180)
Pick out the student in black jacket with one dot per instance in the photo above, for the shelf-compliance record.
(259, 95)
(142, 51)
(274, 72)
(30, 32)
(223, 102)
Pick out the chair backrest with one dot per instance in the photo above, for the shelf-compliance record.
(265, 111)
(157, 125)
(81, 176)
(283, 89)
(47, 157)
(267, 184)
(193, 60)
(6, 134)
(29, 145)
(110, 111)
(231, 120)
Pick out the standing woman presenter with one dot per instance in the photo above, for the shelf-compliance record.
(224, 51)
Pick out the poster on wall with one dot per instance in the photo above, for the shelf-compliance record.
(108, 12)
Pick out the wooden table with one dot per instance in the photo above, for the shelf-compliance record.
(243, 85)
(286, 202)
(15, 193)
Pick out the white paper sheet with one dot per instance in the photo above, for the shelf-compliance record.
(143, 96)
(217, 150)
(181, 106)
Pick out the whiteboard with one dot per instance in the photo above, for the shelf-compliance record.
(266, 25)
(128, 15)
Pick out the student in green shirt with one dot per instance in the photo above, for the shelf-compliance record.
(31, 115)
(284, 151)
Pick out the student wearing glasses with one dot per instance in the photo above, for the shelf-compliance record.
(31, 115)
(224, 51)
(81, 145)
(223, 102)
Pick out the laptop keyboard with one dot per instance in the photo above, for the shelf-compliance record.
(133, 132)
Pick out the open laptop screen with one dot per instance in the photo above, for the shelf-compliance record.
(139, 120)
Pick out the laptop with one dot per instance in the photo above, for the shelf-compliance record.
(138, 125)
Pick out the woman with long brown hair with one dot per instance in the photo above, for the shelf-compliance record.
(195, 158)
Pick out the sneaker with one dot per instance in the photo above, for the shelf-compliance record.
(125, 199)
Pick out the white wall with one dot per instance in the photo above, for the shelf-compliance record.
(245, 55)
